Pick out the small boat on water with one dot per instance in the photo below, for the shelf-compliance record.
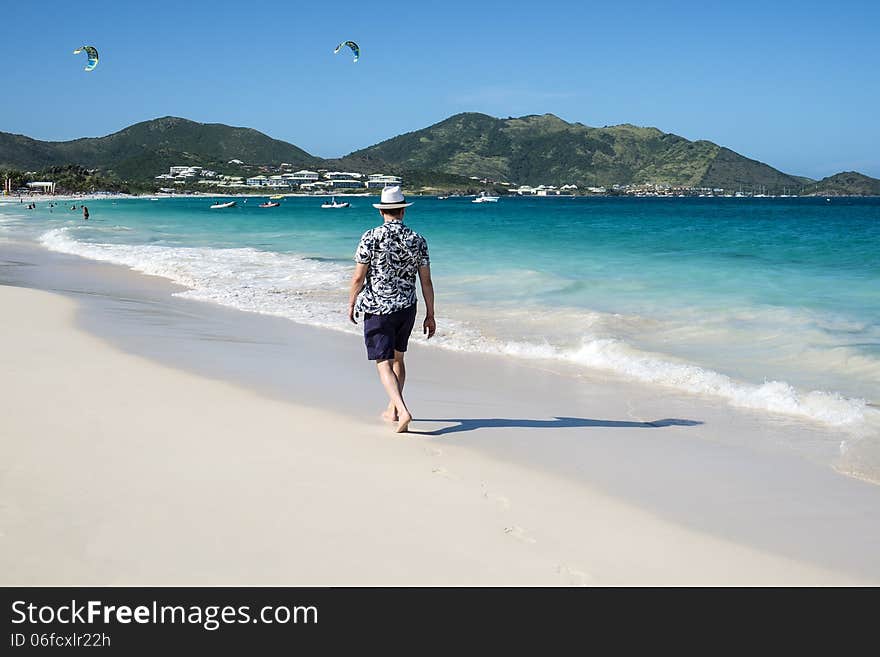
(483, 197)
(275, 197)
(334, 204)
(269, 204)
(442, 198)
(219, 206)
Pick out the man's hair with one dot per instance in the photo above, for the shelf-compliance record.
(394, 212)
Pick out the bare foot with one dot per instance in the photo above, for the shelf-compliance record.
(390, 415)
(403, 422)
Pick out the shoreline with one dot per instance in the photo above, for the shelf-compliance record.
(97, 196)
(215, 509)
(612, 459)
(844, 411)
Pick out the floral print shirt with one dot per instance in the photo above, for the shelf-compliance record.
(394, 253)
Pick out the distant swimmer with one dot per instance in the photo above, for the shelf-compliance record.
(85, 213)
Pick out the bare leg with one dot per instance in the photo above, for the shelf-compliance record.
(399, 367)
(392, 387)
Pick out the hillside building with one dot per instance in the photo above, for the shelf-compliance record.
(379, 180)
(185, 172)
(343, 183)
(303, 177)
(342, 175)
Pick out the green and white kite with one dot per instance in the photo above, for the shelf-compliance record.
(354, 48)
(92, 54)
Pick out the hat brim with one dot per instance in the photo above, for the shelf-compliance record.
(390, 206)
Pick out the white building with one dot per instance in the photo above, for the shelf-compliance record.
(235, 162)
(320, 185)
(303, 177)
(257, 181)
(346, 183)
(46, 186)
(379, 180)
(187, 172)
(278, 181)
(342, 175)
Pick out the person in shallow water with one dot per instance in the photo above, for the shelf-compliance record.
(383, 290)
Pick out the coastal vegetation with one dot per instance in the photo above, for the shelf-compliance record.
(73, 179)
(847, 183)
(464, 153)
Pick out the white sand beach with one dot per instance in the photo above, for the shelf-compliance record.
(120, 469)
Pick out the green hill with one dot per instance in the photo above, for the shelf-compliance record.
(545, 149)
(530, 150)
(145, 149)
(847, 183)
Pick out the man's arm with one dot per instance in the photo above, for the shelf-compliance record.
(429, 326)
(357, 284)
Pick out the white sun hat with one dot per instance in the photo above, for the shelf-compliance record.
(392, 198)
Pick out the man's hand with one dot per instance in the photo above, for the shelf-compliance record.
(351, 313)
(429, 326)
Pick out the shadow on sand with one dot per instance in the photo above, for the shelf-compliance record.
(556, 423)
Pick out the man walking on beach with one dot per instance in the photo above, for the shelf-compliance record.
(383, 289)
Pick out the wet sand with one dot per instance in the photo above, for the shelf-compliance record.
(157, 440)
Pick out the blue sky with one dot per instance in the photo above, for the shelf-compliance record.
(793, 84)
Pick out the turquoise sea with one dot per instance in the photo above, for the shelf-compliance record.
(767, 304)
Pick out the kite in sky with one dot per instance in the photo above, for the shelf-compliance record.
(354, 48)
(92, 53)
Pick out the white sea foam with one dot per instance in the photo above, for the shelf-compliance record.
(313, 292)
(266, 282)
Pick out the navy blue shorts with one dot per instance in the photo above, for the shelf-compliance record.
(385, 334)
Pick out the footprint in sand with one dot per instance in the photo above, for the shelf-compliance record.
(519, 534)
(500, 501)
(443, 472)
(433, 451)
(573, 577)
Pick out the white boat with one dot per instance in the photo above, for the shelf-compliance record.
(334, 204)
(219, 206)
(483, 197)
